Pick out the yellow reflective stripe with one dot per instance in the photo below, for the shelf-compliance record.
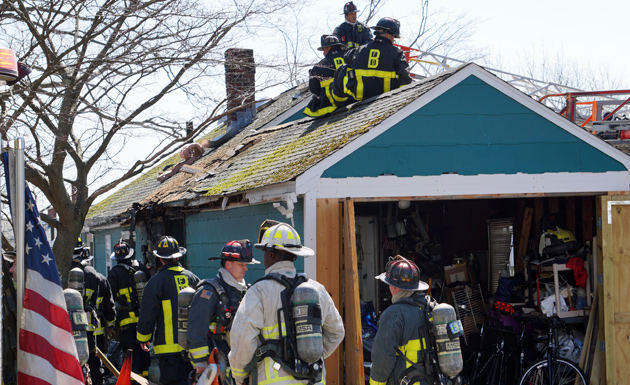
(325, 83)
(99, 300)
(176, 268)
(168, 323)
(373, 382)
(199, 352)
(411, 350)
(88, 292)
(164, 349)
(272, 333)
(99, 331)
(143, 337)
(239, 372)
(348, 91)
(322, 111)
(385, 75)
(130, 320)
(111, 323)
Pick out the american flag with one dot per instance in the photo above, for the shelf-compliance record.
(47, 353)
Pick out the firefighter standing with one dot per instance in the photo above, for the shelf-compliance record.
(378, 66)
(351, 32)
(159, 312)
(257, 317)
(321, 75)
(401, 339)
(215, 302)
(126, 297)
(99, 307)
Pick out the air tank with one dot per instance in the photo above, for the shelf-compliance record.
(447, 330)
(184, 298)
(76, 280)
(78, 320)
(140, 280)
(307, 317)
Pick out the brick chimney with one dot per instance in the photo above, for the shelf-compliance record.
(240, 82)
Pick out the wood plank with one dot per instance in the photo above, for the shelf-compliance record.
(539, 211)
(553, 205)
(136, 377)
(354, 342)
(569, 215)
(610, 362)
(524, 238)
(589, 336)
(588, 217)
(329, 271)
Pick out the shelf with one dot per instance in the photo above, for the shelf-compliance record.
(556, 268)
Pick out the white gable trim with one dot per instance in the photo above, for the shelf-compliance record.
(309, 179)
(462, 185)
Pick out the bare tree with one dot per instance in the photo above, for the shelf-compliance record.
(106, 72)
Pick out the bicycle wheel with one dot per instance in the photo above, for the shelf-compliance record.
(564, 373)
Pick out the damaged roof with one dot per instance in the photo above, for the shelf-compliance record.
(260, 156)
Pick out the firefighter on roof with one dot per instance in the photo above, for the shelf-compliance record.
(351, 32)
(376, 67)
(121, 280)
(215, 302)
(321, 76)
(263, 351)
(99, 307)
(159, 312)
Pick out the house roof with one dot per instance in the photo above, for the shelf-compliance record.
(263, 155)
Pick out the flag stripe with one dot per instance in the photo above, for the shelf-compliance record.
(58, 337)
(41, 370)
(47, 289)
(55, 315)
(36, 344)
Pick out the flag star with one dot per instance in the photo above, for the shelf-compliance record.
(30, 205)
(28, 249)
(46, 259)
(29, 226)
(37, 242)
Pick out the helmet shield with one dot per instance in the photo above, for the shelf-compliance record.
(283, 237)
(403, 274)
(237, 251)
(168, 248)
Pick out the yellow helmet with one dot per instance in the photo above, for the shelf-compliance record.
(284, 237)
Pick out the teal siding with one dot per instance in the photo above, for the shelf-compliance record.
(473, 129)
(99, 247)
(207, 232)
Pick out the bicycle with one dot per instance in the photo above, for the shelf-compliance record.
(551, 369)
(500, 364)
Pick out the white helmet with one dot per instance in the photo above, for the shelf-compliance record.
(284, 237)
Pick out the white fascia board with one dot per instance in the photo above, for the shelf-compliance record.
(270, 193)
(309, 179)
(285, 115)
(310, 233)
(462, 185)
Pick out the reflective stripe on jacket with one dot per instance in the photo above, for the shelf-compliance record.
(124, 291)
(320, 78)
(159, 308)
(258, 315)
(399, 328)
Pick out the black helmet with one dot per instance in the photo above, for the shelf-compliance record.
(330, 41)
(168, 248)
(389, 25)
(81, 252)
(237, 251)
(122, 251)
(349, 7)
(8, 256)
(403, 274)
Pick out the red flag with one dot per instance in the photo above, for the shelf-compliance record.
(47, 353)
(125, 372)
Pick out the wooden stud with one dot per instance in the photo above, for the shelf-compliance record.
(354, 342)
(329, 261)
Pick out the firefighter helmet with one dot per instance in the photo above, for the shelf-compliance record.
(81, 252)
(168, 248)
(349, 7)
(403, 274)
(122, 251)
(284, 237)
(8, 256)
(237, 251)
(388, 25)
(330, 41)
